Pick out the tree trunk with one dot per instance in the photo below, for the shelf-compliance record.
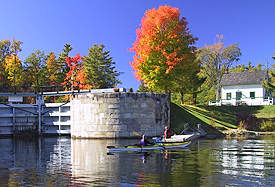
(181, 98)
(166, 90)
(194, 98)
(218, 92)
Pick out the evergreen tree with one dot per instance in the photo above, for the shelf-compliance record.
(62, 66)
(100, 68)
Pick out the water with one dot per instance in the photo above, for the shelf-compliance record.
(60, 161)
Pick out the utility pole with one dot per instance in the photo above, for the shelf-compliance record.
(72, 81)
(14, 90)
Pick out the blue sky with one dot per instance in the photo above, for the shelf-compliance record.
(49, 24)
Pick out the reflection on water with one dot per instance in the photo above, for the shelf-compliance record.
(34, 162)
(90, 162)
(54, 161)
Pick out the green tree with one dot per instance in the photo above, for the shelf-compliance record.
(250, 67)
(143, 88)
(238, 68)
(63, 67)
(100, 68)
(270, 84)
(259, 66)
(36, 70)
(188, 80)
(194, 86)
(216, 59)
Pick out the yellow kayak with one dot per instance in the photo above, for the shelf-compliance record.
(164, 145)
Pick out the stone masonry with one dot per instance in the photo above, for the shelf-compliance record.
(119, 115)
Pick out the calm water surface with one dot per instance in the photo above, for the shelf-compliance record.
(60, 161)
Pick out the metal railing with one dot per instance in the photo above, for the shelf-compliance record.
(244, 101)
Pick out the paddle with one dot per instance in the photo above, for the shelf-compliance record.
(136, 133)
(110, 147)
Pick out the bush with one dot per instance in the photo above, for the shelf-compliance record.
(267, 126)
(246, 121)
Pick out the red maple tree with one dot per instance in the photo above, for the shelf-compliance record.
(76, 77)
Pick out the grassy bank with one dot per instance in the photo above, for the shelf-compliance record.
(217, 116)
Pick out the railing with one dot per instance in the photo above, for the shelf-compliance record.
(244, 101)
(20, 118)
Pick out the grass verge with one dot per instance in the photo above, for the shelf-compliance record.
(216, 116)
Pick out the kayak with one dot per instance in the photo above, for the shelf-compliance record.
(164, 145)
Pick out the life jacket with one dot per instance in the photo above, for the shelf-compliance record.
(142, 142)
(169, 134)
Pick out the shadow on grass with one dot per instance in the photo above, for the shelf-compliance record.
(208, 118)
(225, 114)
(180, 115)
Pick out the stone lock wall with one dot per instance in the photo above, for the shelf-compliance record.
(119, 115)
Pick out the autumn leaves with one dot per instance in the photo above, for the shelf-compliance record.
(163, 49)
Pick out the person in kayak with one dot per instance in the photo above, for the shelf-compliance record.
(144, 141)
(167, 133)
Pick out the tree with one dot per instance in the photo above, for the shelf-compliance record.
(76, 77)
(52, 67)
(35, 66)
(194, 83)
(162, 48)
(14, 70)
(142, 88)
(7, 48)
(188, 80)
(238, 68)
(270, 84)
(100, 68)
(259, 66)
(216, 59)
(62, 65)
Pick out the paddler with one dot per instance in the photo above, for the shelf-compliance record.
(167, 133)
(144, 141)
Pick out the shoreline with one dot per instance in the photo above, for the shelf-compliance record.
(245, 133)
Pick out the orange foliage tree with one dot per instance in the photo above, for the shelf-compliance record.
(76, 77)
(163, 48)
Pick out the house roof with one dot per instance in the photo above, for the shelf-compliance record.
(243, 78)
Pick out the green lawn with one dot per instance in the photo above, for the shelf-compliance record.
(217, 116)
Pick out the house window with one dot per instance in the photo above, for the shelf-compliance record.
(238, 95)
(252, 95)
(228, 96)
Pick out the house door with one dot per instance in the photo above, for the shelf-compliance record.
(238, 96)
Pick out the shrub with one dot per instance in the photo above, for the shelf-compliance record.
(241, 125)
(267, 126)
(247, 121)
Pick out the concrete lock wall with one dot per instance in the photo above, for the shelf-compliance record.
(119, 115)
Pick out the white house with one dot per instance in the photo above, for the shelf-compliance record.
(244, 88)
